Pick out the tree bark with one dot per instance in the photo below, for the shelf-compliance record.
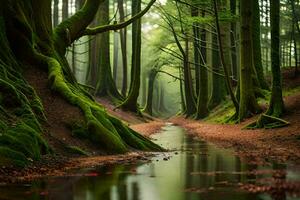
(152, 75)
(248, 103)
(105, 83)
(130, 102)
(257, 59)
(276, 107)
(123, 38)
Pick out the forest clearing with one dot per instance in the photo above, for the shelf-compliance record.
(150, 100)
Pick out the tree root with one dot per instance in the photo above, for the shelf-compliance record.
(267, 122)
(103, 129)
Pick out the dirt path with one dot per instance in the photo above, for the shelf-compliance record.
(260, 145)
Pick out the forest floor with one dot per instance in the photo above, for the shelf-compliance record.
(253, 145)
(60, 116)
(260, 145)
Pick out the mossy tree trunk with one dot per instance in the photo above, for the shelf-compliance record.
(130, 102)
(27, 39)
(276, 106)
(248, 103)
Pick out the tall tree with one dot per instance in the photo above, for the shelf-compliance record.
(105, 83)
(200, 66)
(223, 60)
(123, 38)
(151, 79)
(130, 102)
(295, 23)
(20, 22)
(248, 103)
(257, 59)
(276, 106)
(116, 46)
(55, 13)
(218, 92)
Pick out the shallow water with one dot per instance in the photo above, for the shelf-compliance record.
(195, 170)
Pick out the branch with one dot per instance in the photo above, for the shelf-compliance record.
(71, 29)
(105, 28)
(164, 72)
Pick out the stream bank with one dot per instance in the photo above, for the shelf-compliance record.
(194, 169)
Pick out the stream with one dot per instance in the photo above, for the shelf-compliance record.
(194, 170)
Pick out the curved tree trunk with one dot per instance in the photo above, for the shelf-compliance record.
(27, 39)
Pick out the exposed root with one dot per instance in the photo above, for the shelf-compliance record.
(102, 129)
(267, 122)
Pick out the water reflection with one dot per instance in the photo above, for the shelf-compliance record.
(198, 171)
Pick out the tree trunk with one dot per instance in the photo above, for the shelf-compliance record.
(149, 102)
(233, 38)
(248, 103)
(257, 46)
(116, 48)
(188, 83)
(130, 102)
(65, 9)
(123, 38)
(276, 106)
(295, 23)
(218, 83)
(223, 60)
(105, 83)
(55, 13)
(19, 21)
(202, 102)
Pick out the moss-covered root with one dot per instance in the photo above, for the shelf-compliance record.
(134, 139)
(102, 129)
(267, 122)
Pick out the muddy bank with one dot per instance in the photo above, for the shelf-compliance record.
(60, 165)
(57, 166)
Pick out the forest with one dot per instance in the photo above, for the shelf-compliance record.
(150, 100)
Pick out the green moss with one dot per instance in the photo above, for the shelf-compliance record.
(10, 157)
(77, 150)
(102, 129)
